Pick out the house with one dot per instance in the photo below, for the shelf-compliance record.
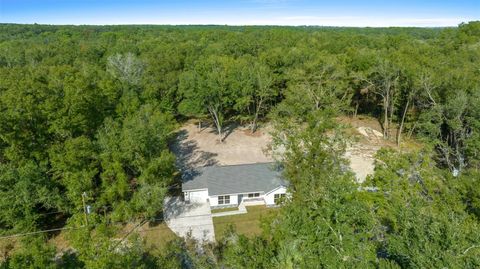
(224, 186)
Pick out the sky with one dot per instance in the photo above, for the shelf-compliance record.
(373, 13)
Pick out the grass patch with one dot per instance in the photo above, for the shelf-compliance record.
(247, 224)
(226, 209)
(156, 236)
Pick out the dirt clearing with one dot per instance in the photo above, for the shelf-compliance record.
(369, 139)
(196, 147)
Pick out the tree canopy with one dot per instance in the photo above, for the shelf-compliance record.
(89, 112)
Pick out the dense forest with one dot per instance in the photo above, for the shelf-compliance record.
(87, 114)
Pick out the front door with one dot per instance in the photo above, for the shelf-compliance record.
(240, 197)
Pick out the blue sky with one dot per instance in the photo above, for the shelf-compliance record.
(242, 12)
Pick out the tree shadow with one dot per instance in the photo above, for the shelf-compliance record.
(190, 157)
(175, 207)
(203, 126)
(226, 131)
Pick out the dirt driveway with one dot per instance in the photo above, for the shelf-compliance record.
(189, 218)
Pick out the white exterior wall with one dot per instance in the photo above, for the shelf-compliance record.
(270, 197)
(233, 200)
(199, 196)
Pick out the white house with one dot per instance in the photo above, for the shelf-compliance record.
(224, 186)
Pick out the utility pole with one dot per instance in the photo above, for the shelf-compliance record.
(84, 194)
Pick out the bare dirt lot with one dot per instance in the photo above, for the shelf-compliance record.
(196, 147)
(369, 139)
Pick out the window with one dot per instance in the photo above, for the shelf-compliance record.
(224, 200)
(278, 196)
(252, 195)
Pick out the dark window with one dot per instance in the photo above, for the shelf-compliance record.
(278, 196)
(224, 200)
(251, 195)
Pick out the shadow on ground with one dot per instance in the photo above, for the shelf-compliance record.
(177, 207)
(226, 131)
(189, 157)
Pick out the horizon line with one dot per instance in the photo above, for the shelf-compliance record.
(235, 25)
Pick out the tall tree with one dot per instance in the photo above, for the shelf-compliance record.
(126, 68)
(383, 81)
(316, 85)
(256, 90)
(208, 89)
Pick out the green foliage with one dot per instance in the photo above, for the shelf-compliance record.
(469, 32)
(99, 249)
(75, 165)
(90, 109)
(467, 186)
(34, 255)
(422, 214)
(408, 215)
(127, 151)
(325, 224)
(209, 89)
(186, 253)
(26, 194)
(317, 84)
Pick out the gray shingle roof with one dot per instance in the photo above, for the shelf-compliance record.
(231, 179)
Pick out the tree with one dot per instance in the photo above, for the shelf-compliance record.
(134, 157)
(325, 223)
(449, 118)
(93, 109)
(383, 80)
(35, 254)
(255, 83)
(126, 68)
(425, 232)
(208, 89)
(316, 85)
(26, 195)
(100, 249)
(75, 164)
